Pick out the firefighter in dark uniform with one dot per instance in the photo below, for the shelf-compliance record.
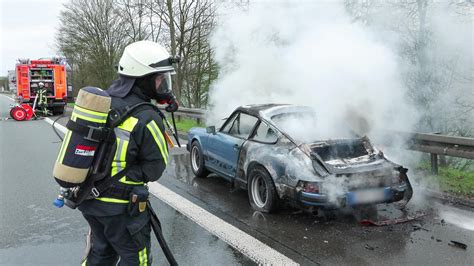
(145, 70)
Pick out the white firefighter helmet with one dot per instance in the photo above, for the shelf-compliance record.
(143, 58)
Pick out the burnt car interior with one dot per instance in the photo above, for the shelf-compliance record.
(341, 149)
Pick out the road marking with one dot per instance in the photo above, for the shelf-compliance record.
(251, 247)
(8, 97)
(241, 241)
(56, 125)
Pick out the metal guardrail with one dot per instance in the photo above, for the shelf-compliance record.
(194, 113)
(445, 145)
(434, 144)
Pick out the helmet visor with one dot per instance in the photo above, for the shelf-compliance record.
(163, 83)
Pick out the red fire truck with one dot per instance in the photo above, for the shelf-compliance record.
(51, 72)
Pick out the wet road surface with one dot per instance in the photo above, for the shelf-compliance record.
(334, 237)
(32, 232)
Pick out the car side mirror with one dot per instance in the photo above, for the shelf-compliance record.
(211, 129)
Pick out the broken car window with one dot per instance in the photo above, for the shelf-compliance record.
(242, 126)
(234, 130)
(265, 134)
(227, 126)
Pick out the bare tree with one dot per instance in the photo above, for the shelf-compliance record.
(187, 25)
(92, 35)
(136, 18)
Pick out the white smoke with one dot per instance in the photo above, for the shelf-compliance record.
(312, 53)
(460, 218)
(308, 53)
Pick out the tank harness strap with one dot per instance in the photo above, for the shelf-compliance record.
(121, 115)
(106, 184)
(118, 191)
(95, 134)
(117, 118)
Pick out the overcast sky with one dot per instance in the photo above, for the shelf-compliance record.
(27, 30)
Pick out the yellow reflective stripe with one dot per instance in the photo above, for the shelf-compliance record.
(143, 257)
(66, 140)
(146, 257)
(128, 182)
(154, 130)
(112, 200)
(129, 124)
(94, 113)
(119, 162)
(62, 152)
(90, 119)
(86, 115)
(123, 152)
(114, 162)
(84, 263)
(140, 257)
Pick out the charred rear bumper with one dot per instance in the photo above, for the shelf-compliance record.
(390, 194)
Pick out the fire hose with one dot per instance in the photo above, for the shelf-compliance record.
(173, 129)
(156, 226)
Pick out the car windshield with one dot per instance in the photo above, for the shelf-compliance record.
(304, 127)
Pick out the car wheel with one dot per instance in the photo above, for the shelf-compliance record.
(261, 190)
(197, 160)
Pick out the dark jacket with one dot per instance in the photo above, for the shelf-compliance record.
(141, 148)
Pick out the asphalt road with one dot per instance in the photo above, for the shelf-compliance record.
(32, 232)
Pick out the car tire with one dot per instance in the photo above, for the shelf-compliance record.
(262, 193)
(197, 160)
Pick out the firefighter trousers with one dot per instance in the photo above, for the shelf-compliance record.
(119, 238)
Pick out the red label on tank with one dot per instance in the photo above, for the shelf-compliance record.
(82, 150)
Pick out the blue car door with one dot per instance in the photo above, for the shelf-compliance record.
(225, 145)
(225, 151)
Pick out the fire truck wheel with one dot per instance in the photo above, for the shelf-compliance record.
(58, 110)
(18, 113)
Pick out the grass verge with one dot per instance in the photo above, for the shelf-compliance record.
(185, 124)
(451, 180)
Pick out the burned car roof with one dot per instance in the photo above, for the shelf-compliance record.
(267, 111)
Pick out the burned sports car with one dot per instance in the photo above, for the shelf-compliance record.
(258, 150)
